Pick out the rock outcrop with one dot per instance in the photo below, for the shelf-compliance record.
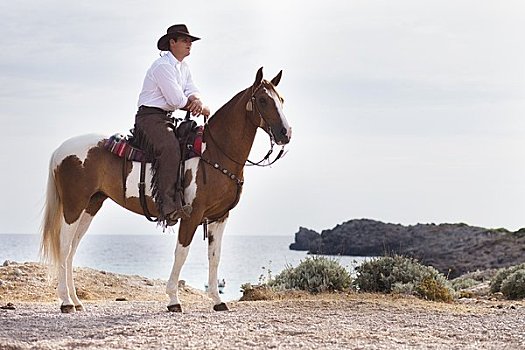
(453, 249)
(306, 239)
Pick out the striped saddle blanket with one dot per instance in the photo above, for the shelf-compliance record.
(121, 146)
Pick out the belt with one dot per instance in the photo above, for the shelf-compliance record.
(152, 110)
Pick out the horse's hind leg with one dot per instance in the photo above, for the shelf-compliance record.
(83, 225)
(215, 234)
(67, 235)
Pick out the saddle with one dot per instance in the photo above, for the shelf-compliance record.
(189, 135)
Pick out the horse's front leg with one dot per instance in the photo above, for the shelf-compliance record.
(215, 234)
(186, 232)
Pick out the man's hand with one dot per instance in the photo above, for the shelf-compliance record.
(196, 107)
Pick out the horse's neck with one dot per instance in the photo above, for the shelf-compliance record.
(232, 132)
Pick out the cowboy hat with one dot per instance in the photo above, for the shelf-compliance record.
(174, 31)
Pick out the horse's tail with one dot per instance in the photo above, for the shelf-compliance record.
(52, 221)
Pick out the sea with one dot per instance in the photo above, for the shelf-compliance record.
(244, 259)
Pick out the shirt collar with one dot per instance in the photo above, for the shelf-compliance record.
(173, 60)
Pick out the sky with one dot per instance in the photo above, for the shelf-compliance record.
(402, 111)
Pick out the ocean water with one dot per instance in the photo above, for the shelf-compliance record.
(244, 259)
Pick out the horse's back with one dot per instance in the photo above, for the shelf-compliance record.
(77, 163)
(78, 146)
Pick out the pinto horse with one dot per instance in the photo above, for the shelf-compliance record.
(83, 174)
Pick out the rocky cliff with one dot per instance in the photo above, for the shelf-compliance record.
(453, 249)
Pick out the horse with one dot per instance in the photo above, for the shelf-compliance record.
(83, 174)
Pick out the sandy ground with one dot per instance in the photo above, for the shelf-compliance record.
(344, 321)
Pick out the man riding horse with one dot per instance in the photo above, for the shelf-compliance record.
(168, 86)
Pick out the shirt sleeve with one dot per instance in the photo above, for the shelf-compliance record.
(169, 86)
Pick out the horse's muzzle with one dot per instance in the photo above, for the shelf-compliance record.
(284, 136)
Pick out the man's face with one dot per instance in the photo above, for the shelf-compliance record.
(180, 47)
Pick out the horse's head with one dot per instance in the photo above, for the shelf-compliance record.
(267, 107)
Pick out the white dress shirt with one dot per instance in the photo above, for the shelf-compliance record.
(167, 84)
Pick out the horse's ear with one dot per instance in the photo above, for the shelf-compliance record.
(277, 79)
(258, 77)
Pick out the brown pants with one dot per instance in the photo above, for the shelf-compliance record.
(160, 141)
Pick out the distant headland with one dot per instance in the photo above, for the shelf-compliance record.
(453, 249)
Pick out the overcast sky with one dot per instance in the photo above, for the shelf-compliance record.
(402, 111)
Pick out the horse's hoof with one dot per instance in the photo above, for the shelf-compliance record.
(175, 308)
(79, 308)
(220, 307)
(67, 309)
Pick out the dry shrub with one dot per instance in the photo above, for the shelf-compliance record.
(398, 274)
(257, 292)
(312, 275)
(510, 281)
(431, 289)
(513, 287)
(315, 275)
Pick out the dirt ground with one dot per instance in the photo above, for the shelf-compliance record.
(335, 321)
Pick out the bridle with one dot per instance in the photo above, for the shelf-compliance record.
(252, 106)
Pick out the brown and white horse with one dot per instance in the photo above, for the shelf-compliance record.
(82, 174)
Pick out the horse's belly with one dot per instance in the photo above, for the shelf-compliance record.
(133, 179)
(190, 187)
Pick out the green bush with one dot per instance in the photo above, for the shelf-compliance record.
(513, 287)
(501, 275)
(315, 275)
(399, 274)
(478, 276)
(464, 283)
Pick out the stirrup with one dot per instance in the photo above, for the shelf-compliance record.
(182, 213)
(186, 211)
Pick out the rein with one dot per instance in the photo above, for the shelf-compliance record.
(267, 157)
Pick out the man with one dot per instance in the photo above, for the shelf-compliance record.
(168, 86)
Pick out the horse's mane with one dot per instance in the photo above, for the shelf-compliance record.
(227, 105)
(235, 99)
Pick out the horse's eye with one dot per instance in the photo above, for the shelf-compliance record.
(262, 101)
